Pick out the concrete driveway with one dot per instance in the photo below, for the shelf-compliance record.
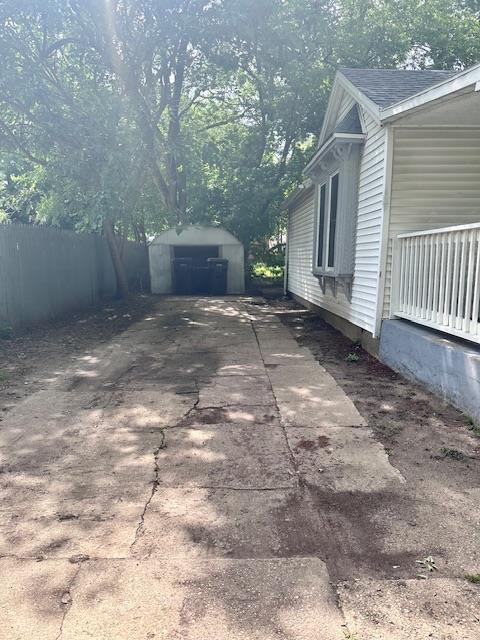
(161, 487)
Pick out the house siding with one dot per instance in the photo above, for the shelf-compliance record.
(361, 309)
(435, 183)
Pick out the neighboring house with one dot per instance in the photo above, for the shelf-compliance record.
(387, 223)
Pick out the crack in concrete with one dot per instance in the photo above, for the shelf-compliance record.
(156, 480)
(155, 484)
(68, 606)
(293, 462)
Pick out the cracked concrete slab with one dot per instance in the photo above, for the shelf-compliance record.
(31, 595)
(239, 390)
(203, 600)
(234, 456)
(411, 609)
(68, 529)
(342, 460)
(225, 523)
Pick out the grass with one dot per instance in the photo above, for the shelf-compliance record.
(3, 376)
(474, 578)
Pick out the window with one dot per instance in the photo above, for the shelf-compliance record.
(321, 224)
(327, 224)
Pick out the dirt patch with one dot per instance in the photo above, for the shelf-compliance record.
(23, 358)
(310, 445)
(432, 445)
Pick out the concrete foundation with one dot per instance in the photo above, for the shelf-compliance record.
(445, 365)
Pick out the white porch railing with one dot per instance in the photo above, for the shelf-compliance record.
(437, 279)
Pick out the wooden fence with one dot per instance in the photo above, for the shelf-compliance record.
(47, 272)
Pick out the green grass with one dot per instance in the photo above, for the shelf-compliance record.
(3, 376)
(474, 578)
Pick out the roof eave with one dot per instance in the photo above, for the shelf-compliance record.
(463, 80)
(334, 138)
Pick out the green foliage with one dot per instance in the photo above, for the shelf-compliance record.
(474, 578)
(267, 273)
(352, 357)
(156, 114)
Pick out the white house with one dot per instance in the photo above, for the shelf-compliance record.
(384, 234)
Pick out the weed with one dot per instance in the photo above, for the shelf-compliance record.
(352, 357)
(474, 578)
(427, 564)
(388, 451)
(453, 454)
(473, 426)
(3, 376)
(349, 635)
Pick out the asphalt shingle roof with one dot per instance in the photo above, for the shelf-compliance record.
(389, 86)
(350, 123)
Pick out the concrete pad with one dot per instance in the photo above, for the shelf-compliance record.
(31, 595)
(342, 459)
(334, 411)
(277, 355)
(236, 390)
(225, 456)
(70, 529)
(224, 523)
(203, 600)
(411, 609)
(149, 407)
(257, 415)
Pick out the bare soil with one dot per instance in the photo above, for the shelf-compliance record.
(23, 357)
(434, 446)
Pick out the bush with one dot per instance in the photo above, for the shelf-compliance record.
(267, 273)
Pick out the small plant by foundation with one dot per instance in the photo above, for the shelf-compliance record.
(453, 454)
(352, 357)
(474, 578)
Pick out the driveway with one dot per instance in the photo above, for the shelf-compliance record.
(194, 478)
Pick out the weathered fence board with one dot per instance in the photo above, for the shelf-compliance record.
(47, 272)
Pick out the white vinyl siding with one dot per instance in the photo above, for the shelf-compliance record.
(435, 183)
(361, 310)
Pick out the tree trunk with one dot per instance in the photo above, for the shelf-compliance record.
(118, 266)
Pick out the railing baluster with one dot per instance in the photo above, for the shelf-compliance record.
(461, 285)
(476, 289)
(439, 283)
(469, 283)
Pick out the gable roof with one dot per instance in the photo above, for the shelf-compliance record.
(385, 87)
(350, 123)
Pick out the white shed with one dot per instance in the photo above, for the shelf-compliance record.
(197, 243)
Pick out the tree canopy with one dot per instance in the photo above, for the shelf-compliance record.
(144, 114)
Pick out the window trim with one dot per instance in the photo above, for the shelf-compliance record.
(324, 269)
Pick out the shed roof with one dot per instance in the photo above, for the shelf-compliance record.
(385, 87)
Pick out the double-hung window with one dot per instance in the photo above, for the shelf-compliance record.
(327, 223)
